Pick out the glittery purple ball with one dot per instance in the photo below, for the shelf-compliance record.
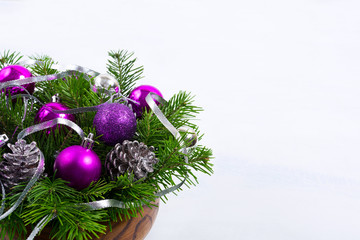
(139, 94)
(45, 114)
(115, 122)
(14, 72)
(79, 166)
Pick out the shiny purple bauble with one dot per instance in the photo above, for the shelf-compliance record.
(79, 166)
(139, 94)
(45, 114)
(15, 72)
(115, 122)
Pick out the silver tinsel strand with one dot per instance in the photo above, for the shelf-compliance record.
(130, 157)
(20, 165)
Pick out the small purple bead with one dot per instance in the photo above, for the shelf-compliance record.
(15, 72)
(79, 166)
(139, 94)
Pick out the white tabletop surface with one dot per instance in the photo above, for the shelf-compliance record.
(279, 81)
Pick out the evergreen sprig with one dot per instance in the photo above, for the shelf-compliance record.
(73, 220)
(43, 68)
(9, 58)
(122, 67)
(52, 195)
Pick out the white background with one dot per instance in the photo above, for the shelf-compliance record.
(279, 81)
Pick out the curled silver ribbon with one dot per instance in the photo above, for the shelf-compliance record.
(69, 111)
(152, 104)
(3, 198)
(41, 224)
(106, 203)
(49, 124)
(19, 82)
(162, 118)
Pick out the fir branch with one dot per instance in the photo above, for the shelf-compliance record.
(13, 225)
(122, 67)
(43, 68)
(73, 221)
(135, 195)
(179, 110)
(172, 164)
(86, 225)
(96, 190)
(9, 58)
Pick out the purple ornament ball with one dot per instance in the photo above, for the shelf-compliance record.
(139, 94)
(79, 166)
(115, 122)
(15, 72)
(45, 114)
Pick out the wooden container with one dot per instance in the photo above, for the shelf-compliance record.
(132, 229)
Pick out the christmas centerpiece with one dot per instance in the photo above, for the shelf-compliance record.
(80, 150)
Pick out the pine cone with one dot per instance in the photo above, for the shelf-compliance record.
(19, 166)
(130, 157)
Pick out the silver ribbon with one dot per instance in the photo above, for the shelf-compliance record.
(107, 203)
(3, 198)
(152, 104)
(41, 225)
(19, 82)
(69, 111)
(49, 124)
(171, 189)
(162, 118)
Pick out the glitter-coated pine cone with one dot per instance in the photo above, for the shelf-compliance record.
(130, 157)
(20, 165)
